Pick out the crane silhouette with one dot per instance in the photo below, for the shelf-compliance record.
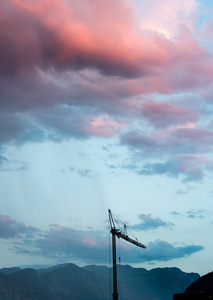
(117, 232)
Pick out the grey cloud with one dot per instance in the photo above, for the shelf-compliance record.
(190, 143)
(181, 192)
(81, 172)
(20, 129)
(63, 243)
(8, 165)
(105, 148)
(195, 214)
(186, 168)
(3, 159)
(150, 223)
(139, 141)
(68, 243)
(166, 114)
(191, 214)
(18, 250)
(176, 140)
(55, 124)
(8, 227)
(37, 106)
(84, 173)
(175, 213)
(54, 225)
(163, 251)
(12, 229)
(63, 122)
(111, 166)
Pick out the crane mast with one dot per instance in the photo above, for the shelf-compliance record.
(117, 232)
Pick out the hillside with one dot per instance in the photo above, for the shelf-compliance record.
(202, 288)
(70, 282)
(159, 283)
(202, 285)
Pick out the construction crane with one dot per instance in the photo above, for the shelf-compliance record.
(117, 232)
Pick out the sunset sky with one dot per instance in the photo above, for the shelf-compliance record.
(106, 104)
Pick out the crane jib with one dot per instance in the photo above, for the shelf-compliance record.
(119, 234)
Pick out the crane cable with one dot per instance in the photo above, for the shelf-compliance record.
(116, 218)
(132, 234)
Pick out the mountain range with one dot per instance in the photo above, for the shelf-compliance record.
(70, 282)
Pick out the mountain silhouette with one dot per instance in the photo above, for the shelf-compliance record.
(70, 282)
(201, 289)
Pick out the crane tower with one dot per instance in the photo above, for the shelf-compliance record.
(117, 232)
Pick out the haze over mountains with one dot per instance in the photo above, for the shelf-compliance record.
(70, 282)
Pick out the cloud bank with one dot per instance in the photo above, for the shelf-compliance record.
(90, 246)
(85, 69)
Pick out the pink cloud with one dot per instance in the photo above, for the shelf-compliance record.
(194, 136)
(89, 34)
(187, 47)
(103, 126)
(205, 31)
(67, 56)
(164, 142)
(12, 229)
(205, 69)
(7, 227)
(165, 16)
(89, 243)
(188, 125)
(164, 114)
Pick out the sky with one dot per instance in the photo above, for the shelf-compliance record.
(106, 104)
